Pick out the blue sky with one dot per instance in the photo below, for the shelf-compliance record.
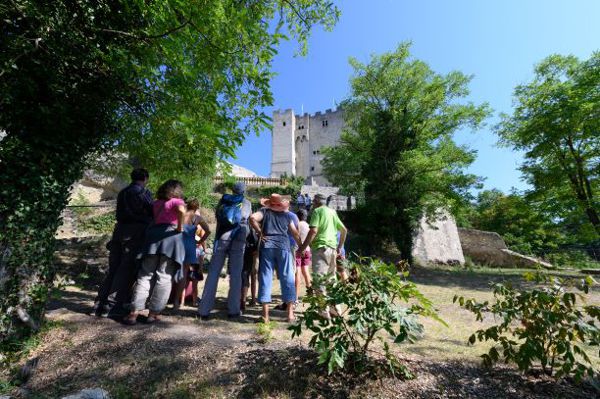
(497, 41)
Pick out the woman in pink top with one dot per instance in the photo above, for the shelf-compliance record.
(162, 254)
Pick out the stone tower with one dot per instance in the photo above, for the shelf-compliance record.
(298, 141)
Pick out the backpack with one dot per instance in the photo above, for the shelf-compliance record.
(229, 213)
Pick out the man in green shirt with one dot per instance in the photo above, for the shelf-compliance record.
(322, 238)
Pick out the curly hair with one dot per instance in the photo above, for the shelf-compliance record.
(170, 189)
(192, 204)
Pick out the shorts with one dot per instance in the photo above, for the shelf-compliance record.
(303, 260)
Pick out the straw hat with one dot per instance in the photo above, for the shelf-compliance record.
(276, 203)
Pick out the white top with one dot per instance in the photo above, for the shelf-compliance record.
(303, 230)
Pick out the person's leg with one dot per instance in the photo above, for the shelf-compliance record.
(254, 279)
(212, 279)
(160, 295)
(142, 287)
(236, 263)
(194, 292)
(180, 287)
(101, 303)
(265, 280)
(287, 281)
(306, 275)
(321, 259)
(127, 271)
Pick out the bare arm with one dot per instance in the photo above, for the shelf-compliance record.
(343, 233)
(206, 229)
(294, 231)
(180, 216)
(312, 233)
(255, 220)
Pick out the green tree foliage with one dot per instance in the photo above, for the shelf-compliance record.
(397, 154)
(556, 123)
(381, 307)
(175, 83)
(543, 326)
(522, 225)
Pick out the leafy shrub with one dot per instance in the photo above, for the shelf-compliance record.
(544, 325)
(578, 259)
(101, 224)
(371, 299)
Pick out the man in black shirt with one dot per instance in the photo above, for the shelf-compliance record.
(134, 214)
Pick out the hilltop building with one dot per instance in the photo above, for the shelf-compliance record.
(298, 141)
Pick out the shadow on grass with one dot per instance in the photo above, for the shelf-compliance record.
(463, 278)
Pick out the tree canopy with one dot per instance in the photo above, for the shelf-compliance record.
(397, 153)
(556, 122)
(176, 84)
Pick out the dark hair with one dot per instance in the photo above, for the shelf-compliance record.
(192, 204)
(139, 174)
(170, 189)
(302, 214)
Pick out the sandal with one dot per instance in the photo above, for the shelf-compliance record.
(152, 319)
(130, 320)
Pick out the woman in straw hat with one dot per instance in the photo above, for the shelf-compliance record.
(272, 224)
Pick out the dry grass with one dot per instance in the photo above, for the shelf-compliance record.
(183, 357)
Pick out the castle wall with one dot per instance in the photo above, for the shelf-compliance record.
(283, 156)
(297, 145)
(302, 142)
(325, 131)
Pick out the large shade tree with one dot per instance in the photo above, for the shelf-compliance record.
(397, 153)
(176, 83)
(556, 122)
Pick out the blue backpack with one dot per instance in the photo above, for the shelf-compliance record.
(229, 213)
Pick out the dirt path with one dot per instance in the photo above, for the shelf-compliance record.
(184, 357)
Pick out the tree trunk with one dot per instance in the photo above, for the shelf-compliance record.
(35, 183)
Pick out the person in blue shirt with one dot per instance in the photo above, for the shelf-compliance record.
(307, 202)
(300, 202)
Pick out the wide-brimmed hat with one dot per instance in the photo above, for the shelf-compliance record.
(276, 203)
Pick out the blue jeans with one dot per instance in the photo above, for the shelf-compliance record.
(269, 258)
(235, 249)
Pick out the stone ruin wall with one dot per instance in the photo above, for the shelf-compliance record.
(298, 141)
(489, 249)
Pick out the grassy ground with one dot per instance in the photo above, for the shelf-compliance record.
(183, 357)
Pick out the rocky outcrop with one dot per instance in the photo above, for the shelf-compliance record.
(488, 248)
(438, 242)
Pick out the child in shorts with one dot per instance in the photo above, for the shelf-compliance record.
(303, 260)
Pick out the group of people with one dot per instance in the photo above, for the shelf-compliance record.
(157, 249)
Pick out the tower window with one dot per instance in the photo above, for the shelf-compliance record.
(283, 123)
(312, 168)
(325, 123)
